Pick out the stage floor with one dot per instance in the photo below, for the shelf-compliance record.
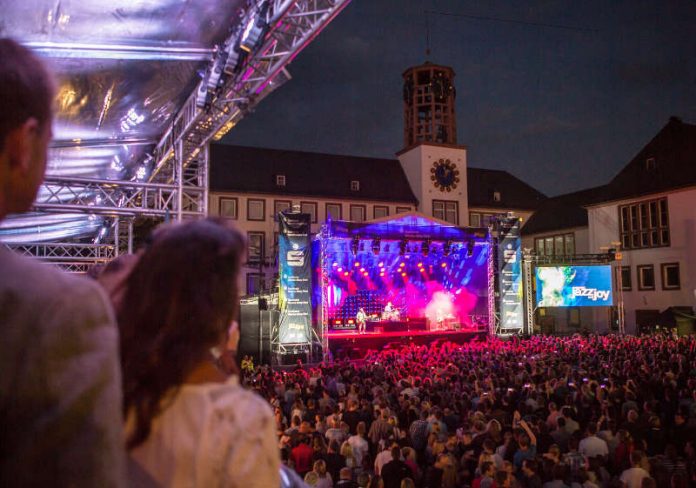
(354, 345)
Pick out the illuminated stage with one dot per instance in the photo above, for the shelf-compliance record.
(351, 344)
(407, 278)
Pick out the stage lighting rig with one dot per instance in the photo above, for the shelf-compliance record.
(355, 245)
(402, 247)
(447, 248)
(425, 247)
(376, 245)
(254, 29)
(470, 248)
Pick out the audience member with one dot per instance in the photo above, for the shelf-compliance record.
(60, 391)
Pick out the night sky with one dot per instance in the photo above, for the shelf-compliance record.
(560, 93)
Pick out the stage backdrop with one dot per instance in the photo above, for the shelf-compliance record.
(294, 263)
(424, 269)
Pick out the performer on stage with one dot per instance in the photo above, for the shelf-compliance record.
(361, 319)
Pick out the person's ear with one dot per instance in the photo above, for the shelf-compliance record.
(19, 144)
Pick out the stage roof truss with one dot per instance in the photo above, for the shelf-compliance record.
(122, 69)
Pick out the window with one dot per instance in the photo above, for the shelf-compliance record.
(402, 209)
(644, 224)
(333, 210)
(354, 185)
(646, 277)
(474, 219)
(311, 209)
(228, 208)
(670, 276)
(569, 240)
(256, 209)
(280, 206)
(357, 213)
(626, 284)
(539, 246)
(256, 248)
(280, 180)
(254, 283)
(446, 210)
(496, 196)
(557, 245)
(380, 211)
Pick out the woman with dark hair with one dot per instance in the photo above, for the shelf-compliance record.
(187, 424)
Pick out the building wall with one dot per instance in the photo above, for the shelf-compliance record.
(417, 163)
(604, 229)
(269, 227)
(581, 235)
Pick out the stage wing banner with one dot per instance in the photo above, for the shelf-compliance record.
(294, 260)
(510, 279)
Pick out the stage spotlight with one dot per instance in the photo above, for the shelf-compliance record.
(469, 248)
(354, 245)
(376, 244)
(402, 247)
(425, 247)
(447, 248)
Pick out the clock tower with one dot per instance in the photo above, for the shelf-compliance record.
(434, 163)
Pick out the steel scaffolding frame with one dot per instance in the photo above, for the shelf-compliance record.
(178, 185)
(493, 317)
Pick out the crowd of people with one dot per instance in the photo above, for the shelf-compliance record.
(590, 411)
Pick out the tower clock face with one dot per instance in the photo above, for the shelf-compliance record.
(444, 175)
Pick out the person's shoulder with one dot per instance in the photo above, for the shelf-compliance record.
(48, 289)
(245, 404)
(39, 278)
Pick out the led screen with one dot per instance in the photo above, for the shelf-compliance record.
(573, 286)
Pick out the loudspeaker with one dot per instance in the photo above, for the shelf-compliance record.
(255, 326)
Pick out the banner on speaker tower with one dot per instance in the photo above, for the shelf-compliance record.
(294, 267)
(510, 278)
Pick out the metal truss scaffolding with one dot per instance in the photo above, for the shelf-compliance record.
(241, 72)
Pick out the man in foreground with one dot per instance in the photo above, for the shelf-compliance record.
(60, 393)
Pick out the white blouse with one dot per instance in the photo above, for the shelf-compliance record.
(211, 435)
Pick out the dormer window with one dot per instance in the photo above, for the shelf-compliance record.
(650, 164)
(280, 180)
(496, 196)
(355, 185)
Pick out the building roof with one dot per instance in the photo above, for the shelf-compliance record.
(254, 170)
(563, 212)
(673, 166)
(514, 193)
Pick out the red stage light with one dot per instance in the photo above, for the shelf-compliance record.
(420, 265)
(403, 274)
(362, 270)
(345, 274)
(356, 264)
(335, 264)
(340, 270)
(381, 264)
(365, 273)
(351, 321)
(422, 270)
(444, 265)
